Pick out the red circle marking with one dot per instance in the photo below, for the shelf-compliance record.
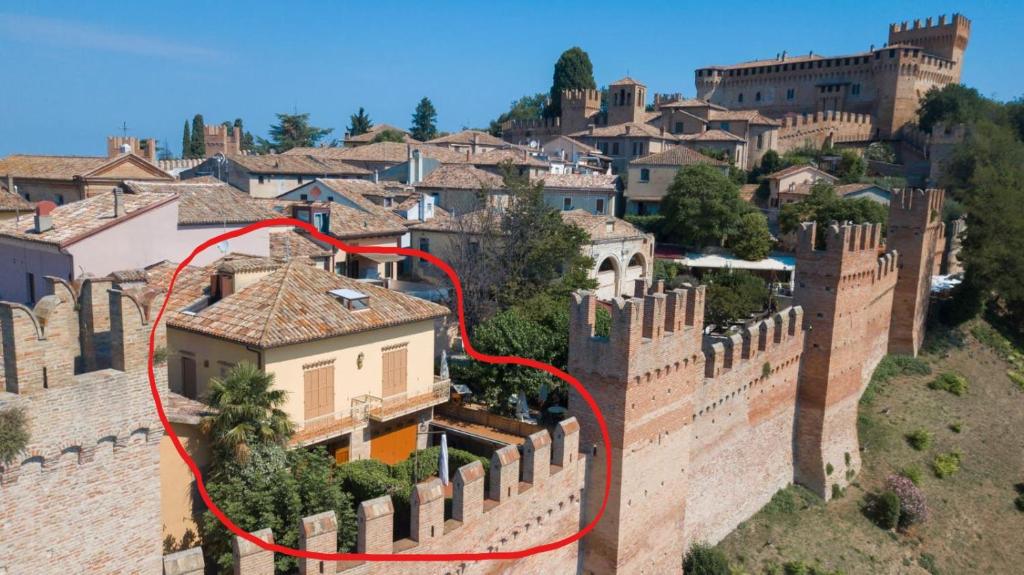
(495, 359)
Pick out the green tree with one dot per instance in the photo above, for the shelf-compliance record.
(771, 162)
(247, 144)
(163, 151)
(292, 131)
(389, 136)
(186, 142)
(880, 152)
(851, 167)
(424, 121)
(824, 206)
(702, 207)
(359, 123)
(752, 241)
(198, 148)
(573, 71)
(525, 108)
(275, 489)
(952, 104)
(14, 434)
(703, 559)
(248, 413)
(732, 296)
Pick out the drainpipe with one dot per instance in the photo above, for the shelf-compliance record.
(259, 356)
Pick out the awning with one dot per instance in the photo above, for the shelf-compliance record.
(725, 261)
(382, 258)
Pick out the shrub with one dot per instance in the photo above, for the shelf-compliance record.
(892, 366)
(887, 511)
(951, 382)
(160, 355)
(913, 505)
(14, 433)
(703, 559)
(829, 469)
(927, 562)
(919, 439)
(1016, 377)
(913, 473)
(956, 427)
(837, 491)
(946, 464)
(1019, 502)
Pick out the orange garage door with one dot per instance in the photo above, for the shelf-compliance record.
(394, 443)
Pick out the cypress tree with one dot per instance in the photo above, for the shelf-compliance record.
(424, 121)
(198, 137)
(573, 71)
(186, 143)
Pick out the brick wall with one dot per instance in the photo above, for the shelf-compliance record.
(917, 233)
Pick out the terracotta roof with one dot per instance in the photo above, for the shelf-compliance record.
(191, 284)
(584, 147)
(244, 263)
(208, 200)
(461, 178)
(626, 81)
(293, 305)
(293, 244)
(347, 221)
(580, 181)
(750, 116)
(389, 152)
(677, 156)
(795, 169)
(78, 220)
(370, 134)
(467, 137)
(354, 190)
(66, 167)
(776, 61)
(692, 103)
(846, 189)
(518, 157)
(747, 191)
(298, 164)
(178, 165)
(444, 221)
(712, 136)
(599, 227)
(12, 202)
(632, 129)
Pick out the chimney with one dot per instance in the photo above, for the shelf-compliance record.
(44, 221)
(222, 284)
(783, 55)
(872, 48)
(476, 138)
(118, 202)
(376, 176)
(590, 128)
(628, 129)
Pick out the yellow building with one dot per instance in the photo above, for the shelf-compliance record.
(356, 359)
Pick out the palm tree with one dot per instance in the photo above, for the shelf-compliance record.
(248, 413)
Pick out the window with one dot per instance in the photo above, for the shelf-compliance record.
(678, 128)
(566, 204)
(261, 179)
(60, 200)
(318, 385)
(394, 360)
(757, 97)
(645, 175)
(599, 206)
(320, 221)
(740, 98)
(300, 180)
(304, 197)
(855, 89)
(760, 141)
(615, 148)
(790, 94)
(723, 126)
(30, 278)
(424, 247)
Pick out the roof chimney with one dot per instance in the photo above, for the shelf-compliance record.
(44, 221)
(222, 284)
(118, 202)
(783, 55)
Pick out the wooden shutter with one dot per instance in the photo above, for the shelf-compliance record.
(395, 367)
(318, 389)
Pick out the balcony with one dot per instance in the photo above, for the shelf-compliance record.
(383, 409)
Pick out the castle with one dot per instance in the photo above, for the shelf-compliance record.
(704, 428)
(885, 83)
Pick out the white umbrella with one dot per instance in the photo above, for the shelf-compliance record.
(442, 467)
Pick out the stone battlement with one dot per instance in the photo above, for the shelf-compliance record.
(955, 21)
(531, 497)
(723, 353)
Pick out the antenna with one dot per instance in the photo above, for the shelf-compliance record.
(124, 129)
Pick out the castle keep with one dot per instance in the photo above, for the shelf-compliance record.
(885, 83)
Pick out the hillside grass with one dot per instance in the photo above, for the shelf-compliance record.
(975, 526)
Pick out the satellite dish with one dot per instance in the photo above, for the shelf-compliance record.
(224, 246)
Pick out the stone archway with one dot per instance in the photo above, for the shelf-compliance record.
(609, 276)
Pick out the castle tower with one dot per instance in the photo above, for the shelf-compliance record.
(643, 377)
(219, 141)
(944, 38)
(626, 101)
(578, 109)
(846, 293)
(915, 228)
(117, 145)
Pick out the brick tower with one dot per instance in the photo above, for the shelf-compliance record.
(579, 107)
(945, 38)
(846, 293)
(643, 377)
(915, 230)
(626, 101)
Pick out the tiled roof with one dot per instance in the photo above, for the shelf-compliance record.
(518, 157)
(292, 305)
(286, 246)
(389, 152)
(600, 227)
(355, 190)
(77, 220)
(191, 283)
(467, 137)
(712, 136)
(632, 129)
(846, 189)
(796, 169)
(692, 103)
(349, 222)
(50, 167)
(677, 156)
(461, 178)
(12, 202)
(626, 81)
(298, 164)
(751, 116)
(369, 136)
(243, 263)
(179, 164)
(583, 147)
(444, 221)
(208, 200)
(580, 181)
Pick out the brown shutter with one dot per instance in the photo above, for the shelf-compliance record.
(318, 389)
(395, 370)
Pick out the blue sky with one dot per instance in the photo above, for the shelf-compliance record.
(74, 71)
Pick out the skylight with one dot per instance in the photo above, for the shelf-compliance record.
(352, 299)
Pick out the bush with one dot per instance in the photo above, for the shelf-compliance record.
(1016, 377)
(913, 473)
(919, 439)
(14, 433)
(160, 355)
(1019, 502)
(913, 505)
(650, 224)
(956, 427)
(733, 296)
(887, 511)
(927, 562)
(946, 464)
(890, 367)
(703, 559)
(951, 382)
